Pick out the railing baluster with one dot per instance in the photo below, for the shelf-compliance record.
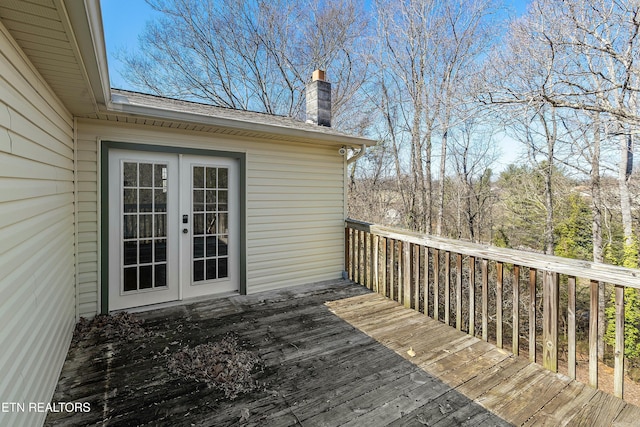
(416, 277)
(447, 287)
(425, 280)
(472, 296)
(365, 260)
(400, 245)
(550, 298)
(499, 284)
(515, 313)
(532, 315)
(618, 373)
(358, 271)
(392, 261)
(375, 258)
(354, 260)
(385, 265)
(459, 292)
(406, 274)
(593, 336)
(571, 332)
(436, 284)
(347, 246)
(485, 300)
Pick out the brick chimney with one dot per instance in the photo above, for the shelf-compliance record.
(319, 100)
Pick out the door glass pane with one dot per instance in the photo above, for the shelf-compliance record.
(198, 270)
(130, 225)
(222, 201)
(211, 177)
(198, 177)
(210, 228)
(130, 197)
(146, 251)
(144, 226)
(130, 279)
(161, 250)
(130, 175)
(198, 200)
(160, 201)
(160, 275)
(222, 178)
(146, 277)
(146, 175)
(146, 200)
(130, 253)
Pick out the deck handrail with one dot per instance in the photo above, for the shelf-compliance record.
(612, 274)
(416, 270)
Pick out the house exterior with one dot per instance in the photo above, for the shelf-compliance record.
(116, 200)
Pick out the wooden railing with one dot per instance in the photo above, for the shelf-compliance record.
(466, 285)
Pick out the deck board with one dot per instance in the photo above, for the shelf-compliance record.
(335, 354)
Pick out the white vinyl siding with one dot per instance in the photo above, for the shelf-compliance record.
(37, 293)
(87, 228)
(295, 205)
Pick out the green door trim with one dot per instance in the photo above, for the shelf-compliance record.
(105, 146)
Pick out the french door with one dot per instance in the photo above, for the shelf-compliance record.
(173, 227)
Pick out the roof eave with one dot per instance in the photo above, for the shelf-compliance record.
(85, 18)
(241, 125)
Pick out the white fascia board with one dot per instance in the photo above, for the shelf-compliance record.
(85, 19)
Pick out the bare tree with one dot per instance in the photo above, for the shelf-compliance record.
(253, 55)
(428, 49)
(473, 153)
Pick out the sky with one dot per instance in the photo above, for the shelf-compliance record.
(122, 31)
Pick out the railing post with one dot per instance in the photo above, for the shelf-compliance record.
(550, 297)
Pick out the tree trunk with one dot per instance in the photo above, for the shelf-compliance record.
(596, 229)
(443, 164)
(626, 166)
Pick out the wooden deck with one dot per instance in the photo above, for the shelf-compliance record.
(335, 354)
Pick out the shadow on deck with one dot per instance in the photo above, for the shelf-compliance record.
(335, 354)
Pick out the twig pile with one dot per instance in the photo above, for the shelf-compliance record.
(222, 365)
